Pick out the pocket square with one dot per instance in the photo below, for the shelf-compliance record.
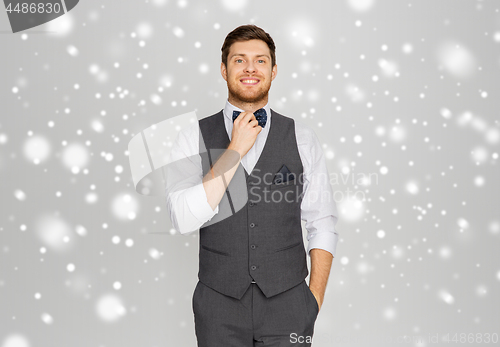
(283, 175)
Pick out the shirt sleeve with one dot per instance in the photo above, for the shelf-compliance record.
(186, 197)
(318, 208)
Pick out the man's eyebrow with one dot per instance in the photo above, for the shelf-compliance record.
(244, 55)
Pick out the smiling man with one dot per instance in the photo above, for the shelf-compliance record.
(252, 260)
(249, 85)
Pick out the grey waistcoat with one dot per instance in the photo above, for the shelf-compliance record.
(257, 233)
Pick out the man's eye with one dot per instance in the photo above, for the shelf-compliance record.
(262, 60)
(238, 59)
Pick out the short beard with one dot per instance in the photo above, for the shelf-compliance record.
(244, 99)
(253, 100)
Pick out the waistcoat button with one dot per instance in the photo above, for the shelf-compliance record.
(252, 225)
(251, 204)
(253, 246)
(253, 267)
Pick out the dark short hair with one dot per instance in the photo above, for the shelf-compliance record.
(246, 33)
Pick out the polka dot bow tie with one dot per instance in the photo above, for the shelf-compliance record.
(260, 115)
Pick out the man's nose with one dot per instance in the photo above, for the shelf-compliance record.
(250, 67)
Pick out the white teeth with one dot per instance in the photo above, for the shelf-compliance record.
(249, 81)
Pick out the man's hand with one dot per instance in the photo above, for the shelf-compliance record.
(318, 300)
(245, 131)
(321, 263)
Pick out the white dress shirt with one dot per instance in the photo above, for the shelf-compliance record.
(189, 209)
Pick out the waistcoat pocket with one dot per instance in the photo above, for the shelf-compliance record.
(214, 250)
(282, 185)
(289, 246)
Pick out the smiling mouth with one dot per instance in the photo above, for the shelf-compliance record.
(249, 81)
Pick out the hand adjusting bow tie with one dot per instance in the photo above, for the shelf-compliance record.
(260, 115)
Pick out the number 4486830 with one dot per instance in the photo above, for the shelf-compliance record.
(34, 8)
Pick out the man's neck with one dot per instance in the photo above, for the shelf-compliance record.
(248, 106)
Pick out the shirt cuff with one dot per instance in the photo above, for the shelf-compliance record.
(198, 203)
(326, 240)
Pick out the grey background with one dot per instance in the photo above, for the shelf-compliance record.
(428, 127)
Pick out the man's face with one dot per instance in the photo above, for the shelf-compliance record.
(249, 72)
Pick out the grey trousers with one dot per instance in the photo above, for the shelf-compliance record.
(286, 319)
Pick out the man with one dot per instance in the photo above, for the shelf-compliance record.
(252, 262)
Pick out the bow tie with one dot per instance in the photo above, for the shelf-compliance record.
(260, 115)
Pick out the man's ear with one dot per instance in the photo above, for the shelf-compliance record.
(274, 72)
(223, 71)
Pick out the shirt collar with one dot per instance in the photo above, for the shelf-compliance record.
(229, 108)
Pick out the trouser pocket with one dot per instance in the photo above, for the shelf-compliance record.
(194, 302)
(312, 299)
